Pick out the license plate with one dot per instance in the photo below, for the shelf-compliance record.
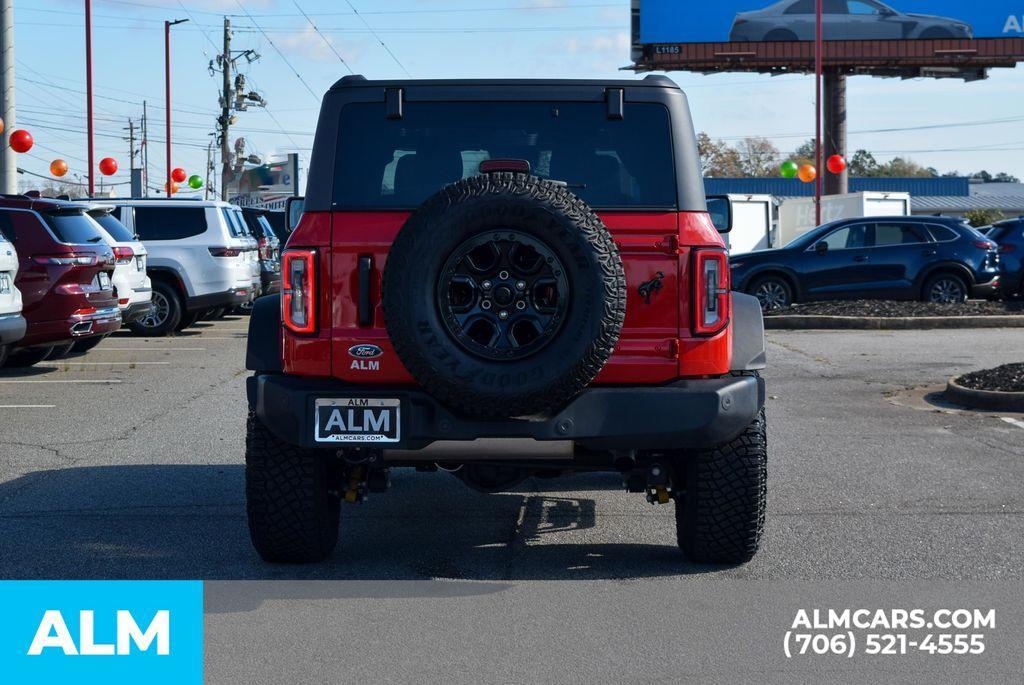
(103, 280)
(5, 284)
(140, 265)
(357, 420)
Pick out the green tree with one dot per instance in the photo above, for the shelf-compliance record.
(758, 157)
(983, 217)
(863, 164)
(718, 159)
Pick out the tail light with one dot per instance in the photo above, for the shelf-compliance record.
(985, 244)
(73, 259)
(298, 291)
(124, 255)
(1007, 249)
(225, 251)
(711, 291)
(265, 249)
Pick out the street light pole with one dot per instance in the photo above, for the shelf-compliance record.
(88, 95)
(819, 49)
(167, 93)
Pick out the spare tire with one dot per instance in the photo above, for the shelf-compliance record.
(504, 295)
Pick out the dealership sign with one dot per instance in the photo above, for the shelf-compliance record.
(686, 21)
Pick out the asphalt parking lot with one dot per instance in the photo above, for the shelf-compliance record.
(127, 463)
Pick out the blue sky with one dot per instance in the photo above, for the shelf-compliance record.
(431, 39)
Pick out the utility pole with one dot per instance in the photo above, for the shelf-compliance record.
(233, 98)
(225, 112)
(209, 170)
(135, 175)
(8, 160)
(145, 151)
(167, 91)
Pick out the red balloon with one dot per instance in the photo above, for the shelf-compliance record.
(178, 175)
(21, 140)
(108, 166)
(58, 167)
(836, 164)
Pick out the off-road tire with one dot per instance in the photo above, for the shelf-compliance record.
(547, 379)
(720, 514)
(161, 288)
(24, 357)
(291, 498)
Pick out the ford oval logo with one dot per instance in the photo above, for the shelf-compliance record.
(365, 351)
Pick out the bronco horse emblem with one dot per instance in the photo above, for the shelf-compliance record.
(649, 288)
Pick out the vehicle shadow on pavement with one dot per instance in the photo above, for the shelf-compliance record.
(188, 521)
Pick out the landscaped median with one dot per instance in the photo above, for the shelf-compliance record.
(1001, 389)
(891, 315)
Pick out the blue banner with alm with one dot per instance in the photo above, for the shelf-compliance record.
(107, 632)
(690, 21)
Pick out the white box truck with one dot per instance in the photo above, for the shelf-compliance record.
(753, 223)
(797, 216)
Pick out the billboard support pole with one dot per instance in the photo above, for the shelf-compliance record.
(835, 128)
(818, 60)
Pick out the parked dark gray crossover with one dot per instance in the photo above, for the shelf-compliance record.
(843, 20)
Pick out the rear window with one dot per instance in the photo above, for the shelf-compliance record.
(235, 222)
(169, 223)
(74, 228)
(942, 234)
(268, 231)
(114, 227)
(610, 163)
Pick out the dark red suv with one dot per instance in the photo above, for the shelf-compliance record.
(64, 275)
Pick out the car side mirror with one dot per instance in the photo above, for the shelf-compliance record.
(293, 208)
(720, 209)
(821, 248)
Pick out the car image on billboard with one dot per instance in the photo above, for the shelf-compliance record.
(743, 21)
(843, 20)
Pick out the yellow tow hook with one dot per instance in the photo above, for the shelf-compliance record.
(353, 494)
(659, 495)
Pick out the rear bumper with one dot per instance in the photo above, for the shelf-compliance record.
(100, 322)
(229, 298)
(684, 414)
(12, 328)
(988, 289)
(135, 311)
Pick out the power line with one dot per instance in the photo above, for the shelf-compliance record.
(280, 54)
(322, 36)
(379, 39)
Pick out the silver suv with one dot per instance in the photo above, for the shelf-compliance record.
(200, 259)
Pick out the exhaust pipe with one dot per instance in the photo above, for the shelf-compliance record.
(82, 328)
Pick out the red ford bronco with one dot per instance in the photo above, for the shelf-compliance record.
(527, 265)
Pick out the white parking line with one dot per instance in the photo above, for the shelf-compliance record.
(53, 365)
(1013, 422)
(148, 349)
(27, 406)
(74, 381)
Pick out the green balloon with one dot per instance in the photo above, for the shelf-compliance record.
(195, 182)
(789, 169)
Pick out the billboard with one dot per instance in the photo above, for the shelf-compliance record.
(740, 21)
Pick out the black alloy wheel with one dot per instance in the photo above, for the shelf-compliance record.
(503, 295)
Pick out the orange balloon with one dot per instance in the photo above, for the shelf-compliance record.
(2, 125)
(58, 167)
(174, 187)
(807, 173)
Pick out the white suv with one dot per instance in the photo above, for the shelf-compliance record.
(131, 283)
(12, 323)
(199, 259)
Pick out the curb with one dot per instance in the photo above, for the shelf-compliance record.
(895, 323)
(984, 399)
